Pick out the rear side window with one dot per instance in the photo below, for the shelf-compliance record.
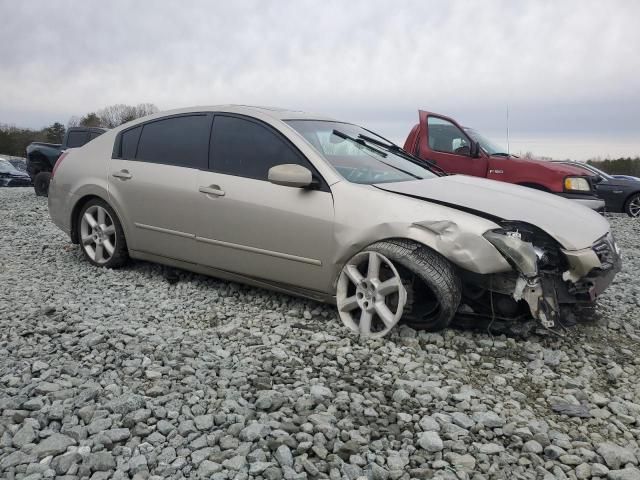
(248, 149)
(129, 143)
(182, 141)
(77, 139)
(93, 135)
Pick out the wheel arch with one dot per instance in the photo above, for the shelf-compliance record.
(37, 162)
(464, 250)
(81, 202)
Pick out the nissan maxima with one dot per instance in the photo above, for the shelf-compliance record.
(328, 210)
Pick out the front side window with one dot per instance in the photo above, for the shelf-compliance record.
(446, 137)
(359, 161)
(487, 145)
(248, 149)
(76, 139)
(181, 141)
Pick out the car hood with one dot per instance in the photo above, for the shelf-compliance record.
(572, 225)
(14, 174)
(619, 182)
(549, 166)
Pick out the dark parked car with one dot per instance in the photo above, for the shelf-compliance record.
(626, 177)
(10, 176)
(620, 195)
(41, 157)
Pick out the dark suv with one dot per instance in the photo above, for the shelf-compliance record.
(41, 157)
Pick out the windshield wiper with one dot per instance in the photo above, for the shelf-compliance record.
(338, 133)
(379, 152)
(401, 152)
(500, 154)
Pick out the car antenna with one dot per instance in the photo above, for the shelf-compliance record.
(508, 146)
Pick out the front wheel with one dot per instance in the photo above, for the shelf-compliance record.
(41, 183)
(394, 280)
(632, 207)
(101, 235)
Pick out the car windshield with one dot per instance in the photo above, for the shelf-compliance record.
(597, 171)
(6, 166)
(487, 145)
(359, 155)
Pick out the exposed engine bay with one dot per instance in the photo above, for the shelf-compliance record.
(547, 283)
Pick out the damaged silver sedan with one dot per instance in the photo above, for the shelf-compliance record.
(330, 211)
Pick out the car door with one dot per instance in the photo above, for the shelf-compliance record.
(444, 143)
(153, 179)
(250, 226)
(614, 194)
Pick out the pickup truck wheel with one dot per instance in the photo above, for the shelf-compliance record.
(41, 184)
(101, 235)
(632, 207)
(394, 280)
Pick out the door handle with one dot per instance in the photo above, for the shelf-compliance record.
(212, 190)
(122, 174)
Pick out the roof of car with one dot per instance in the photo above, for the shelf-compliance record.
(274, 112)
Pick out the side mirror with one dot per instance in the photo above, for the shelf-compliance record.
(290, 175)
(474, 149)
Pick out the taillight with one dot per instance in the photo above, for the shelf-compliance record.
(58, 162)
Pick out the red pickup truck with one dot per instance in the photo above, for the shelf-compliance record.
(455, 149)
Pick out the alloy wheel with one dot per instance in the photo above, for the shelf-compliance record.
(370, 295)
(634, 206)
(98, 234)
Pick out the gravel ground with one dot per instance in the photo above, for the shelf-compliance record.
(120, 374)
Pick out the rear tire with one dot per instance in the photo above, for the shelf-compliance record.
(101, 235)
(632, 206)
(41, 184)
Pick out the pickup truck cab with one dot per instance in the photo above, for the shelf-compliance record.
(440, 140)
(41, 156)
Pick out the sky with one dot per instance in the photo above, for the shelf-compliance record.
(567, 72)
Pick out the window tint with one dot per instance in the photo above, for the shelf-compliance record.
(182, 141)
(248, 149)
(129, 143)
(444, 136)
(93, 135)
(76, 139)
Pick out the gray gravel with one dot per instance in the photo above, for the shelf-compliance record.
(119, 374)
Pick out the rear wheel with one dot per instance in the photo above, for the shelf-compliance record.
(41, 183)
(632, 207)
(393, 280)
(101, 235)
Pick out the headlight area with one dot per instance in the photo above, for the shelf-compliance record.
(577, 184)
(538, 289)
(518, 253)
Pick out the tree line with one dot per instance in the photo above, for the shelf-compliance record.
(618, 166)
(14, 140)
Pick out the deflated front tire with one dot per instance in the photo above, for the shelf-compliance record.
(393, 280)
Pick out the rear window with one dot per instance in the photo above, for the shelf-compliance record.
(76, 139)
(182, 141)
(129, 143)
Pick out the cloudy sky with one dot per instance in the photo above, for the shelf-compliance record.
(569, 72)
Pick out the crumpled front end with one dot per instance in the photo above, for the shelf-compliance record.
(547, 282)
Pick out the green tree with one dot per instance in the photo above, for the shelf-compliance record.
(91, 119)
(55, 132)
(618, 166)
